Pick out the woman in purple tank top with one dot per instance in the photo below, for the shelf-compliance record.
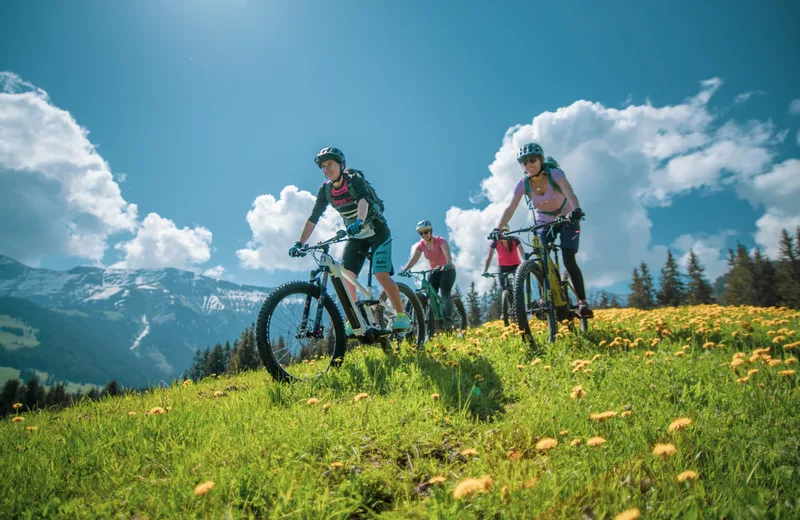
(551, 196)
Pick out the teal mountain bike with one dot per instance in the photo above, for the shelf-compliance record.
(433, 306)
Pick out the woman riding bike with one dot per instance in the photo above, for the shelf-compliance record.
(509, 255)
(349, 195)
(551, 196)
(437, 252)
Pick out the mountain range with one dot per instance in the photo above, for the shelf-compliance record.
(89, 325)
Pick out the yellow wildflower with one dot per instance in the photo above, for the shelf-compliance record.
(203, 488)
(787, 373)
(575, 442)
(629, 514)
(603, 415)
(679, 424)
(578, 392)
(664, 450)
(469, 451)
(436, 480)
(17, 406)
(312, 401)
(472, 485)
(546, 444)
(791, 361)
(156, 411)
(687, 475)
(362, 395)
(595, 441)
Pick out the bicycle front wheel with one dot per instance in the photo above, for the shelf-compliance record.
(529, 300)
(291, 345)
(572, 302)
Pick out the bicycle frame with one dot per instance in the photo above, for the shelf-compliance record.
(434, 300)
(330, 268)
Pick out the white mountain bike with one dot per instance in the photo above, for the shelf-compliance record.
(300, 332)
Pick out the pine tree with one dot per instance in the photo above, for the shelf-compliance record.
(226, 354)
(698, 290)
(35, 396)
(670, 294)
(493, 309)
(112, 388)
(739, 289)
(640, 298)
(13, 392)
(604, 301)
(474, 306)
(787, 276)
(647, 286)
(614, 303)
(765, 288)
(57, 396)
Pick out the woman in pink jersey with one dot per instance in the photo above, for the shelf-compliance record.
(509, 255)
(437, 252)
(550, 194)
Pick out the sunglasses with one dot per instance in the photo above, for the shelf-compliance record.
(529, 159)
(423, 233)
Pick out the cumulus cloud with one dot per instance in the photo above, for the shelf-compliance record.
(794, 107)
(215, 272)
(159, 243)
(710, 250)
(276, 224)
(57, 194)
(620, 162)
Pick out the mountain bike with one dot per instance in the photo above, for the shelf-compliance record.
(506, 296)
(300, 332)
(548, 298)
(433, 306)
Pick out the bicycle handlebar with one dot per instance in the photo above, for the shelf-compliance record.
(340, 236)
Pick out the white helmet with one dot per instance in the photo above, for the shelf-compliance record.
(424, 224)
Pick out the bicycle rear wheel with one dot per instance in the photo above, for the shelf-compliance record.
(288, 349)
(412, 308)
(506, 306)
(460, 315)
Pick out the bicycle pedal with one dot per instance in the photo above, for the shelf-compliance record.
(361, 303)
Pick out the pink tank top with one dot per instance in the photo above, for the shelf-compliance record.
(507, 256)
(435, 256)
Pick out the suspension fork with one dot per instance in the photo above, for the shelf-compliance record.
(316, 329)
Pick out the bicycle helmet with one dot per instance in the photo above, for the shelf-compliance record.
(330, 153)
(529, 150)
(423, 225)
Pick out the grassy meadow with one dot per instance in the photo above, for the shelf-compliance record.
(673, 413)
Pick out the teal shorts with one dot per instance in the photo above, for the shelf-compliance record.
(356, 249)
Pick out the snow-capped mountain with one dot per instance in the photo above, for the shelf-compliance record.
(162, 315)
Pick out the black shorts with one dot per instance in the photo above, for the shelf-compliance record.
(380, 245)
(506, 269)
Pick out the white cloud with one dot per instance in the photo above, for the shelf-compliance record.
(710, 250)
(159, 243)
(58, 195)
(744, 96)
(215, 272)
(276, 225)
(794, 107)
(620, 162)
(769, 230)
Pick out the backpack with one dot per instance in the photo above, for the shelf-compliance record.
(547, 167)
(372, 197)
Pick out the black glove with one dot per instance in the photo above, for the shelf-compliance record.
(495, 234)
(576, 214)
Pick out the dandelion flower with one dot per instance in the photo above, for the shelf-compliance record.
(791, 361)
(469, 451)
(596, 357)
(435, 397)
(17, 406)
(335, 465)
(535, 362)
(686, 347)
(679, 424)
(587, 371)
(504, 494)
(520, 367)
(629, 514)
(787, 373)
(578, 392)
(603, 416)
(362, 395)
(752, 371)
(546, 444)
(31, 428)
(575, 442)
(687, 475)
(530, 483)
(625, 413)
(436, 480)
(472, 485)
(743, 380)
(131, 414)
(156, 411)
(563, 432)
(664, 450)
(546, 367)
(219, 393)
(595, 441)
(203, 488)
(312, 401)
(774, 362)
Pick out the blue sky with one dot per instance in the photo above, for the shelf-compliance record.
(206, 105)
